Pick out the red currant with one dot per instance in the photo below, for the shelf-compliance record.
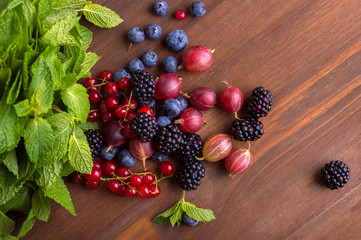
(143, 191)
(130, 192)
(109, 167)
(89, 82)
(111, 89)
(76, 177)
(106, 75)
(97, 163)
(91, 185)
(148, 179)
(94, 115)
(121, 111)
(146, 110)
(108, 116)
(94, 176)
(121, 192)
(94, 96)
(154, 191)
(114, 186)
(123, 172)
(180, 14)
(130, 116)
(132, 104)
(136, 180)
(111, 102)
(123, 83)
(127, 131)
(166, 168)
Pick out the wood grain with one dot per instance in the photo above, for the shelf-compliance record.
(308, 53)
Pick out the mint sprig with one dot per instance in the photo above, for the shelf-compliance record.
(174, 214)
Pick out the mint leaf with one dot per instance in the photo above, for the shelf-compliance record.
(161, 220)
(177, 215)
(28, 224)
(9, 127)
(164, 217)
(39, 140)
(58, 34)
(5, 76)
(14, 90)
(21, 202)
(101, 16)
(6, 224)
(169, 212)
(9, 159)
(60, 194)
(87, 36)
(67, 168)
(72, 4)
(79, 154)
(88, 125)
(41, 86)
(90, 60)
(7, 178)
(76, 99)
(60, 123)
(29, 57)
(57, 15)
(198, 214)
(9, 237)
(23, 108)
(8, 193)
(46, 175)
(41, 205)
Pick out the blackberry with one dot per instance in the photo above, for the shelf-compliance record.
(191, 147)
(261, 102)
(144, 126)
(189, 178)
(168, 139)
(248, 129)
(96, 141)
(143, 85)
(335, 174)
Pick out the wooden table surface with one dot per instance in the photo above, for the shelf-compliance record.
(308, 54)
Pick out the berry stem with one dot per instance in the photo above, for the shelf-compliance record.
(213, 50)
(144, 164)
(199, 159)
(130, 46)
(226, 83)
(180, 67)
(185, 94)
(249, 145)
(205, 122)
(179, 121)
(183, 196)
(236, 116)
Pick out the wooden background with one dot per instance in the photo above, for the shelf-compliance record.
(308, 53)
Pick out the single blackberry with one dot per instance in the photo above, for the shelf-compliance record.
(168, 139)
(248, 129)
(191, 147)
(261, 102)
(144, 126)
(96, 141)
(335, 174)
(189, 178)
(143, 85)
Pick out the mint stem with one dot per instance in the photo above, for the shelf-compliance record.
(184, 194)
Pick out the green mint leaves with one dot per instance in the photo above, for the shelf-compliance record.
(43, 110)
(101, 16)
(174, 214)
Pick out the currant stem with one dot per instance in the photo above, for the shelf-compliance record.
(249, 145)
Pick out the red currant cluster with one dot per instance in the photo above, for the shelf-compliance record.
(114, 102)
(122, 181)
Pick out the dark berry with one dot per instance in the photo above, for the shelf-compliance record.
(248, 129)
(159, 157)
(189, 221)
(170, 64)
(261, 103)
(160, 8)
(189, 178)
(197, 9)
(335, 174)
(191, 146)
(153, 31)
(143, 85)
(136, 35)
(149, 59)
(144, 126)
(95, 140)
(135, 65)
(126, 159)
(108, 153)
(163, 121)
(168, 139)
(176, 40)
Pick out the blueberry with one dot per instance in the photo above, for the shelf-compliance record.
(159, 157)
(150, 103)
(170, 64)
(150, 59)
(126, 159)
(120, 74)
(189, 221)
(197, 9)
(176, 40)
(160, 8)
(182, 102)
(135, 65)
(108, 154)
(153, 31)
(172, 107)
(163, 121)
(136, 35)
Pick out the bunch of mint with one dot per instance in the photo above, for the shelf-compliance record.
(43, 53)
